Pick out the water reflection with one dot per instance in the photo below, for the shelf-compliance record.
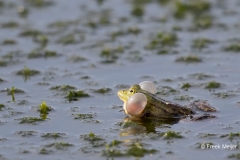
(146, 125)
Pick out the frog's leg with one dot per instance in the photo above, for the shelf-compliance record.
(203, 117)
(202, 105)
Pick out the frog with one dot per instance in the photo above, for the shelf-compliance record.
(156, 107)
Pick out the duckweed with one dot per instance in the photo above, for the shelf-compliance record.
(10, 25)
(137, 150)
(189, 59)
(91, 137)
(26, 133)
(212, 85)
(186, 86)
(45, 151)
(77, 59)
(14, 90)
(163, 39)
(137, 11)
(42, 40)
(183, 98)
(75, 95)
(102, 90)
(44, 108)
(12, 93)
(30, 120)
(200, 76)
(53, 135)
(30, 33)
(59, 145)
(232, 48)
(171, 135)
(200, 43)
(26, 72)
(9, 42)
(224, 94)
(203, 22)
(166, 90)
(83, 116)
(1, 106)
(63, 87)
(39, 3)
(235, 156)
(3, 63)
(232, 135)
(67, 39)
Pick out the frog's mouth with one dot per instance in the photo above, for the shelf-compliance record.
(123, 96)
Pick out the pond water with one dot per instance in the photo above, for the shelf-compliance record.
(73, 56)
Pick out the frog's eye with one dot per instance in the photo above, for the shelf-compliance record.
(131, 91)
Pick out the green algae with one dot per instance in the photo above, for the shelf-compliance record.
(189, 59)
(83, 116)
(102, 90)
(232, 135)
(30, 33)
(232, 48)
(53, 135)
(9, 25)
(39, 3)
(27, 72)
(224, 95)
(186, 86)
(167, 90)
(201, 43)
(212, 85)
(45, 151)
(75, 95)
(62, 24)
(171, 135)
(14, 90)
(91, 137)
(44, 109)
(194, 7)
(203, 22)
(135, 149)
(12, 93)
(63, 88)
(183, 98)
(67, 39)
(42, 54)
(76, 59)
(30, 120)
(110, 54)
(42, 40)
(163, 39)
(235, 156)
(1, 107)
(200, 76)
(26, 133)
(137, 11)
(59, 145)
(9, 42)
(3, 63)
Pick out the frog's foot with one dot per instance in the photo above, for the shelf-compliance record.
(203, 117)
(202, 105)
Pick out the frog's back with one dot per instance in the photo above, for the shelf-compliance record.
(159, 107)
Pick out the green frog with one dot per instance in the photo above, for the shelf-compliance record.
(153, 106)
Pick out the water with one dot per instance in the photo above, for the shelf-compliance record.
(129, 62)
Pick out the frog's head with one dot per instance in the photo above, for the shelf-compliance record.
(125, 94)
(134, 102)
